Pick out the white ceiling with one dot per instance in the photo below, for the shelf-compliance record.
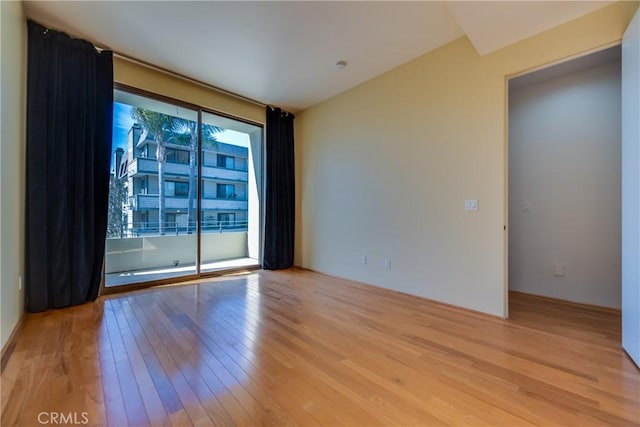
(492, 25)
(284, 53)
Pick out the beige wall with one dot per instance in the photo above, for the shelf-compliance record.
(564, 161)
(13, 40)
(383, 169)
(141, 77)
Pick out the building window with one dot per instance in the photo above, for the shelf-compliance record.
(170, 223)
(176, 189)
(208, 221)
(227, 162)
(226, 191)
(177, 156)
(144, 220)
(144, 185)
(226, 220)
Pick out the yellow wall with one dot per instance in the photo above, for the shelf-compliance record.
(12, 148)
(141, 77)
(383, 169)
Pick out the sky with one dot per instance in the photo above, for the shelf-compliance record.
(122, 122)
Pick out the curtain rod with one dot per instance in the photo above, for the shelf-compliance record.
(182, 77)
(173, 73)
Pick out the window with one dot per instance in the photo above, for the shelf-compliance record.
(144, 220)
(227, 162)
(208, 221)
(146, 152)
(226, 191)
(144, 187)
(176, 189)
(146, 148)
(178, 156)
(171, 221)
(226, 220)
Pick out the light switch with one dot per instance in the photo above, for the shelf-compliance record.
(526, 206)
(470, 205)
(558, 270)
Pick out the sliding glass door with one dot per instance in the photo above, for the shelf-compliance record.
(230, 204)
(185, 192)
(152, 227)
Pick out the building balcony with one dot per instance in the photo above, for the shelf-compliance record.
(142, 166)
(222, 174)
(150, 201)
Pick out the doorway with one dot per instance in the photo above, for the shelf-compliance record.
(565, 181)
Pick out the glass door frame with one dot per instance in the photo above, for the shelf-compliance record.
(105, 290)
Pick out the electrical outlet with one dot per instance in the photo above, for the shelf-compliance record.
(470, 205)
(363, 259)
(559, 270)
(387, 263)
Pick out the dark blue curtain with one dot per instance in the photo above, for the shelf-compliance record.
(280, 191)
(69, 117)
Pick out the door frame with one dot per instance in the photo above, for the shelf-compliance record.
(105, 290)
(507, 78)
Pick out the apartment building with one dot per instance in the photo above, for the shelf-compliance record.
(224, 186)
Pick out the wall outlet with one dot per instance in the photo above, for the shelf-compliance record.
(387, 263)
(19, 283)
(559, 270)
(363, 259)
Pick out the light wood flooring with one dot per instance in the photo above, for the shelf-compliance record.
(299, 348)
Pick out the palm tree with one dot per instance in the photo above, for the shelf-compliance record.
(117, 198)
(208, 134)
(159, 125)
(193, 152)
(167, 129)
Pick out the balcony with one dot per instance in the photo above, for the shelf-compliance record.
(150, 201)
(210, 172)
(153, 257)
(142, 166)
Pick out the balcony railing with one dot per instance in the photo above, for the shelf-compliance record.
(143, 166)
(150, 201)
(150, 257)
(211, 172)
(148, 228)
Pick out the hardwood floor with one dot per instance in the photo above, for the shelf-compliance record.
(300, 348)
